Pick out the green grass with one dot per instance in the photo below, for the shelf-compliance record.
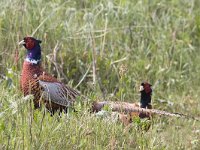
(157, 41)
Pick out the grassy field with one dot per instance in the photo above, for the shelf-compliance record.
(132, 41)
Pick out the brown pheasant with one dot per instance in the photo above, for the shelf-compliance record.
(45, 88)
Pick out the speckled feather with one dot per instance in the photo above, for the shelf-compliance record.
(42, 85)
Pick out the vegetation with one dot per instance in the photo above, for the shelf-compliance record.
(131, 41)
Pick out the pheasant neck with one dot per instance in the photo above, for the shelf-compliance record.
(34, 55)
(145, 99)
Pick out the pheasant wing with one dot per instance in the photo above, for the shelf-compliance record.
(57, 92)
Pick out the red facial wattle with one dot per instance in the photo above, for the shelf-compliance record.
(29, 43)
(147, 88)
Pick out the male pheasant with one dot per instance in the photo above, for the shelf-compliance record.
(44, 87)
(130, 110)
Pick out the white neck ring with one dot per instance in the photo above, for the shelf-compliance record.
(33, 61)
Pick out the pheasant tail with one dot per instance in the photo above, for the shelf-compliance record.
(128, 107)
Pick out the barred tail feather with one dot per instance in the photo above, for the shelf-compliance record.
(128, 107)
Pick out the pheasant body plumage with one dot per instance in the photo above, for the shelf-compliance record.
(44, 87)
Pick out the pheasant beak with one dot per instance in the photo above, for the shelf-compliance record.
(22, 42)
(141, 88)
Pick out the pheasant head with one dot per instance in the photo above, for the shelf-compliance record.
(146, 92)
(33, 48)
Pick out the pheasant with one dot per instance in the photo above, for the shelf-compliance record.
(45, 88)
(143, 110)
(145, 102)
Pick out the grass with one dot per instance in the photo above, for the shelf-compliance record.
(133, 41)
